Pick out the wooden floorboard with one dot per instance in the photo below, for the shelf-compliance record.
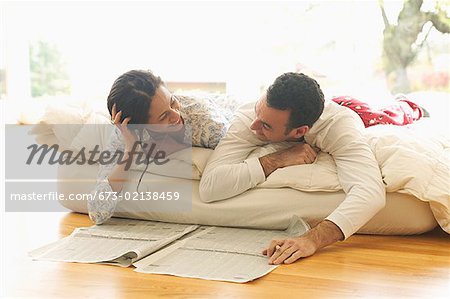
(362, 267)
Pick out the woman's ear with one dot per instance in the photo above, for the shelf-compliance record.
(300, 131)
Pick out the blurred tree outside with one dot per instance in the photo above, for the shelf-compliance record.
(49, 76)
(403, 41)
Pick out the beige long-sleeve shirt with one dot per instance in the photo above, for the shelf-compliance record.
(339, 132)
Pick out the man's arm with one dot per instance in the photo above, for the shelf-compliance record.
(230, 172)
(301, 153)
(360, 177)
(341, 135)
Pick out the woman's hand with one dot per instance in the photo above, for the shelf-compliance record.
(130, 137)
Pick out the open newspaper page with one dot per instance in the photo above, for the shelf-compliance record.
(219, 253)
(119, 241)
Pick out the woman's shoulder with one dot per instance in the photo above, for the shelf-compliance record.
(191, 106)
(206, 103)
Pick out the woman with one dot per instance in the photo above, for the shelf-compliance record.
(140, 97)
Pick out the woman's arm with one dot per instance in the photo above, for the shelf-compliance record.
(101, 207)
(112, 175)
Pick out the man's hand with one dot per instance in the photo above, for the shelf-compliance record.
(298, 154)
(301, 153)
(289, 250)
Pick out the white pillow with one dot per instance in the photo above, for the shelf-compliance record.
(318, 176)
(61, 123)
(96, 131)
(187, 164)
(74, 126)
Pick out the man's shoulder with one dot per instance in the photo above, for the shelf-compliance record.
(247, 108)
(334, 113)
(331, 107)
(336, 118)
(245, 113)
(240, 126)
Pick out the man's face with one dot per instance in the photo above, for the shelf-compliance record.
(271, 124)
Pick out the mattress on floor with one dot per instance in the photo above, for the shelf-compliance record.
(258, 208)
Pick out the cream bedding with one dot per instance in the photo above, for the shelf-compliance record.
(258, 208)
(413, 160)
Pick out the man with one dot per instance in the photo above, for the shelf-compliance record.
(293, 109)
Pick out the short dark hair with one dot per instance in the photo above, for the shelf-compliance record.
(300, 94)
(132, 93)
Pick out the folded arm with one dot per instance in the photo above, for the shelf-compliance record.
(230, 171)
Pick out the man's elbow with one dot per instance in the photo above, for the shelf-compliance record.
(379, 201)
(206, 189)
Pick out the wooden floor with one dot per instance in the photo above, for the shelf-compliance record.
(363, 266)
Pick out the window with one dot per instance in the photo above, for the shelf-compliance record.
(246, 45)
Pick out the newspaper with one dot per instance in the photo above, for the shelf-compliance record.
(219, 253)
(118, 242)
(208, 252)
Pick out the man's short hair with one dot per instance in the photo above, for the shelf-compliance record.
(299, 94)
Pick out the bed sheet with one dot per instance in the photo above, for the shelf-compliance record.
(258, 208)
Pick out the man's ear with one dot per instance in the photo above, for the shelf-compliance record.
(300, 131)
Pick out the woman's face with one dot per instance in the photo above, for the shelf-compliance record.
(165, 112)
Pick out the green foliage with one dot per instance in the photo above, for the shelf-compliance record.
(48, 72)
(400, 41)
